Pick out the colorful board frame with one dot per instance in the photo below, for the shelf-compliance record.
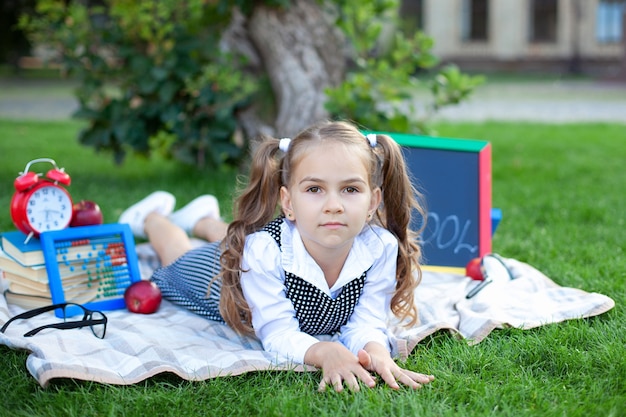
(90, 265)
(454, 175)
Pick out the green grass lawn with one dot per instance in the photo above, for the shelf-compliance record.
(561, 190)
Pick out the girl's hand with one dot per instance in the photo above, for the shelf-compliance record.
(376, 358)
(338, 366)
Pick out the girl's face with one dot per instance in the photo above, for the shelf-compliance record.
(329, 197)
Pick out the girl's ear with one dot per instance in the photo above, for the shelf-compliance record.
(377, 197)
(285, 202)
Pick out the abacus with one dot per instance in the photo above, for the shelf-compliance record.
(90, 265)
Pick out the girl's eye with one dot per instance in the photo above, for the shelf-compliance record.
(351, 190)
(313, 189)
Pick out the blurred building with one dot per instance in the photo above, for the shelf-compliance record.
(579, 36)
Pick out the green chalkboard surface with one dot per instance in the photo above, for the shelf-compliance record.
(454, 175)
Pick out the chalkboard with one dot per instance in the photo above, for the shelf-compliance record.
(454, 176)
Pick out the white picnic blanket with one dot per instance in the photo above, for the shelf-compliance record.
(137, 347)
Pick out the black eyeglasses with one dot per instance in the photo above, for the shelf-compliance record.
(96, 320)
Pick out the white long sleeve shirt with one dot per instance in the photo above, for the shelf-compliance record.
(273, 316)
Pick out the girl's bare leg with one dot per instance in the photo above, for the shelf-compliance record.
(168, 240)
(210, 229)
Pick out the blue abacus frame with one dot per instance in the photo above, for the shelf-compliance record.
(49, 241)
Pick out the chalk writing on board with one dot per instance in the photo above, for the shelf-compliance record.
(449, 233)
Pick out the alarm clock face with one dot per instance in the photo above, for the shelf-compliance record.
(48, 208)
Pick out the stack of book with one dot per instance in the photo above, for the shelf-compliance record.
(23, 268)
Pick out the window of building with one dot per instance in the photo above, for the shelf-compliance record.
(610, 21)
(543, 20)
(475, 20)
(412, 15)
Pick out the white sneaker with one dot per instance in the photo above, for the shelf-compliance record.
(160, 202)
(200, 207)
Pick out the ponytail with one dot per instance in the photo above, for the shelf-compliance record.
(400, 201)
(256, 206)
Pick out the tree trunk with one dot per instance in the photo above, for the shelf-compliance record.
(302, 53)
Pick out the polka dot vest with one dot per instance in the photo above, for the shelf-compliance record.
(317, 313)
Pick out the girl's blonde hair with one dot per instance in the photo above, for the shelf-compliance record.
(258, 204)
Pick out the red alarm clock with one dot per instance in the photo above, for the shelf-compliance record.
(41, 203)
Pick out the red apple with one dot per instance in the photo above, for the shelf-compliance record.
(143, 297)
(86, 213)
(472, 269)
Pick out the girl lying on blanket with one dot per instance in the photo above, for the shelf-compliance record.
(338, 257)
